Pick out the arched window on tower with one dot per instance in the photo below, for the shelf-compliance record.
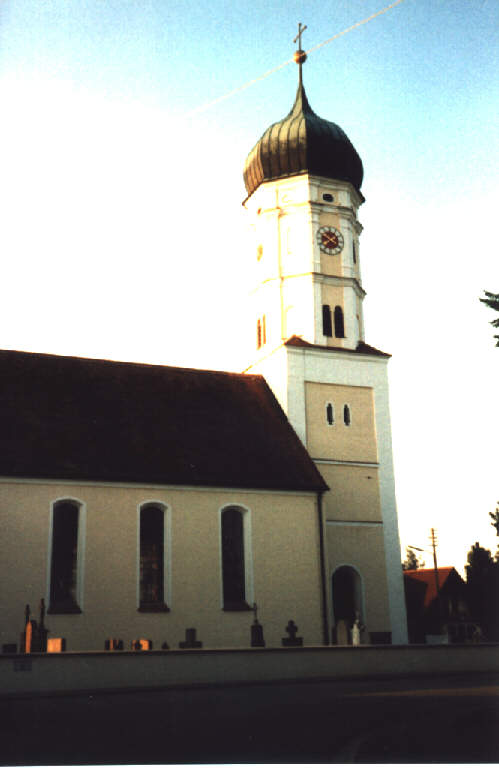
(233, 560)
(339, 323)
(264, 330)
(346, 415)
(258, 333)
(330, 414)
(327, 328)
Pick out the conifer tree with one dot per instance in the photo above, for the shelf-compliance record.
(482, 577)
(411, 562)
(492, 301)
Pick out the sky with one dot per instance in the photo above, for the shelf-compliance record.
(123, 234)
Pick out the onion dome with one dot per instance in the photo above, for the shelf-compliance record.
(303, 143)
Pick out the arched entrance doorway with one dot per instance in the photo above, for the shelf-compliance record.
(347, 602)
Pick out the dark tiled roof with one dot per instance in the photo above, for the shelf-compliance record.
(361, 349)
(81, 419)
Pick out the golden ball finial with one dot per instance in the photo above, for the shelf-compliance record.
(300, 56)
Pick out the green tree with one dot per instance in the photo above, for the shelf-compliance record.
(411, 562)
(495, 519)
(482, 577)
(492, 300)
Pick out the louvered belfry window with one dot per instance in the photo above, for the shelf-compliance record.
(339, 323)
(327, 328)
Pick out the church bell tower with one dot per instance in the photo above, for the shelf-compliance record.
(303, 180)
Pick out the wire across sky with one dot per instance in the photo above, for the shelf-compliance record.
(208, 105)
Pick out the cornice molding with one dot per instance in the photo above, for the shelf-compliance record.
(147, 486)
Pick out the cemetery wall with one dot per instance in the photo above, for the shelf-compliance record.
(93, 671)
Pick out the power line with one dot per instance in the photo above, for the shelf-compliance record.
(354, 26)
(240, 88)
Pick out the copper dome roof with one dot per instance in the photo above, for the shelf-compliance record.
(302, 143)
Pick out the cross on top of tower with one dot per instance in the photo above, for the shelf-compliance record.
(301, 30)
(300, 56)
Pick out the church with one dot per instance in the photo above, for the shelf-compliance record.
(146, 501)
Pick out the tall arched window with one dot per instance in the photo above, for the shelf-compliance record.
(152, 558)
(234, 566)
(258, 333)
(339, 324)
(64, 582)
(327, 328)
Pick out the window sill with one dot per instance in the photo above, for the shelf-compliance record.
(63, 609)
(239, 605)
(153, 608)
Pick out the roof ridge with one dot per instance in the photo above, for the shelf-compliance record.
(135, 363)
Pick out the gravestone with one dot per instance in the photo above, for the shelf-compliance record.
(9, 648)
(342, 634)
(190, 640)
(257, 640)
(34, 637)
(28, 636)
(113, 644)
(25, 640)
(356, 632)
(292, 640)
(142, 645)
(56, 644)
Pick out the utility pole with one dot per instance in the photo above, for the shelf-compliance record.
(433, 542)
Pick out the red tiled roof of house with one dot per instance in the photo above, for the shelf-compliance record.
(427, 576)
(361, 349)
(99, 420)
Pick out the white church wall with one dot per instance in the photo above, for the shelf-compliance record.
(355, 441)
(313, 365)
(284, 550)
(355, 494)
(361, 545)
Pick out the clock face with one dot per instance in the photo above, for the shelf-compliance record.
(330, 240)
